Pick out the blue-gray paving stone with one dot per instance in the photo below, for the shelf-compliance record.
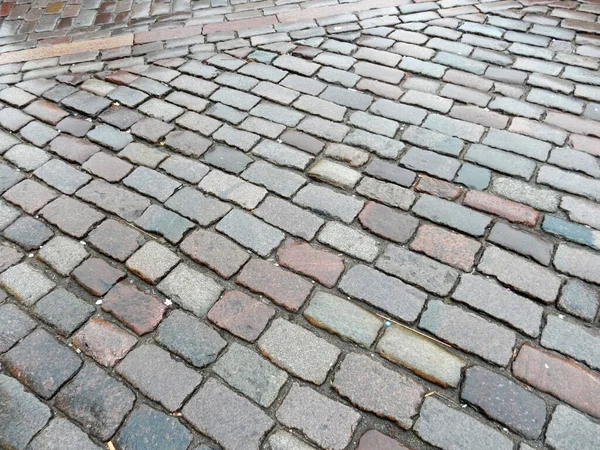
(399, 112)
(151, 182)
(157, 219)
(127, 96)
(433, 140)
(8, 177)
(22, 415)
(580, 299)
(451, 214)
(86, 103)
(571, 231)
(517, 143)
(345, 97)
(191, 339)
(61, 434)
(226, 113)
(571, 430)
(7, 141)
(329, 202)
(474, 176)
(118, 116)
(236, 99)
(263, 72)
(13, 119)
(505, 401)
(501, 161)
(227, 159)
(277, 113)
(149, 429)
(63, 310)
(569, 182)
(109, 137)
(8, 214)
(460, 62)
(14, 326)
(281, 181)
(432, 163)
(28, 233)
(62, 176)
(42, 363)
(38, 133)
(250, 232)
(429, 69)
(523, 242)
(575, 160)
(236, 81)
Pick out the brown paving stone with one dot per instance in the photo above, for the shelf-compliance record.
(513, 211)
(560, 377)
(30, 195)
(71, 216)
(439, 188)
(373, 439)
(115, 239)
(446, 246)
(73, 149)
(283, 287)
(97, 276)
(104, 341)
(241, 315)
(46, 112)
(320, 265)
(138, 311)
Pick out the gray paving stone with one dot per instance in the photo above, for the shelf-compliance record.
(427, 100)
(298, 351)
(142, 154)
(542, 199)
(277, 113)
(282, 440)
(324, 128)
(62, 176)
(282, 155)
(469, 332)
(516, 143)
(527, 244)
(446, 427)
(521, 274)
(263, 72)
(374, 124)
(580, 299)
(319, 107)
(251, 374)
(152, 183)
(164, 222)
(571, 430)
(388, 171)
(63, 310)
(432, 163)
(109, 137)
(151, 370)
(302, 84)
(232, 420)
(289, 217)
(250, 232)
(153, 430)
(398, 112)
(28, 233)
(86, 103)
(184, 168)
(152, 262)
(191, 203)
(451, 214)
(61, 434)
(571, 231)
(63, 254)
(350, 241)
(516, 311)
(187, 143)
(15, 326)
(190, 338)
(115, 239)
(27, 284)
(569, 182)
(578, 210)
(570, 338)
(331, 203)
(27, 157)
(227, 159)
(231, 188)
(283, 182)
(191, 289)
(380, 291)
(380, 145)
(346, 97)
(501, 161)
(8, 177)
(22, 414)
(119, 201)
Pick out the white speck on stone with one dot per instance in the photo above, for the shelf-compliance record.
(98, 302)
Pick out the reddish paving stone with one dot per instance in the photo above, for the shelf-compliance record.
(138, 311)
(241, 315)
(388, 222)
(71, 216)
(104, 341)
(439, 188)
(115, 239)
(446, 246)
(215, 251)
(373, 439)
(97, 276)
(30, 195)
(109, 167)
(560, 377)
(96, 400)
(46, 112)
(121, 77)
(513, 211)
(320, 265)
(284, 288)
(73, 149)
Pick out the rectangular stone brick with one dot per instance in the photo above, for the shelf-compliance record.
(501, 161)
(326, 201)
(568, 426)
(387, 193)
(523, 275)
(320, 265)
(116, 200)
(469, 332)
(430, 162)
(448, 247)
(527, 244)
(512, 211)
(559, 377)
(516, 143)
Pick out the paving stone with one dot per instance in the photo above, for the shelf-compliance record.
(569, 182)
(501, 161)
(87, 103)
(151, 370)
(385, 385)
(571, 231)
(16, 430)
(282, 155)
(456, 250)
(326, 201)
(282, 440)
(164, 222)
(153, 430)
(302, 141)
(516, 143)
(109, 137)
(71, 216)
(433, 140)
(351, 155)
(571, 339)
(581, 211)
(469, 332)
(580, 299)
(350, 241)
(577, 262)
(104, 341)
(387, 222)
(27, 157)
(62, 254)
(190, 203)
(152, 183)
(28, 233)
(451, 214)
(62, 176)
(28, 194)
(227, 417)
(115, 239)
(125, 204)
(542, 199)
(25, 283)
(560, 377)
(375, 439)
(250, 232)
(119, 116)
(523, 275)
(324, 128)
(97, 276)
(15, 326)
(191, 289)
(527, 244)
(9, 256)
(199, 344)
(228, 159)
(512, 211)
(152, 262)
(184, 168)
(280, 181)
(73, 149)
(306, 410)
(96, 400)
(570, 429)
(151, 129)
(41, 363)
(62, 434)
(229, 187)
(127, 96)
(109, 167)
(320, 265)
(7, 141)
(446, 427)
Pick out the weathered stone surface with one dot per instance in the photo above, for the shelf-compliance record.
(571, 430)
(63, 310)
(14, 325)
(570, 338)
(27, 284)
(104, 341)
(152, 262)
(320, 265)
(61, 434)
(374, 439)
(97, 276)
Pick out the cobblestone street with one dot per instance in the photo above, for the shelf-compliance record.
(299, 225)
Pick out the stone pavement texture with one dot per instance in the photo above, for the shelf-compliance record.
(286, 225)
